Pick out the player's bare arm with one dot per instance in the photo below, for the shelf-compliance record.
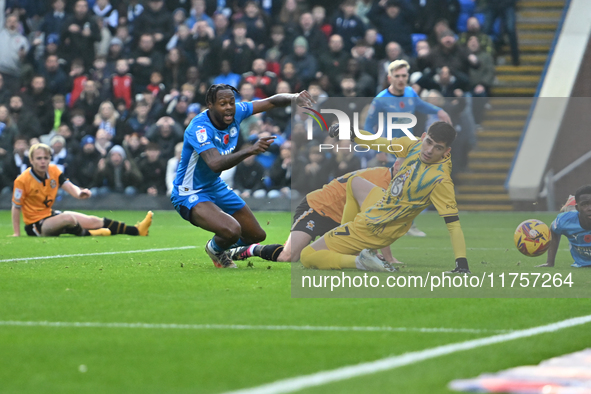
(76, 191)
(219, 163)
(386, 255)
(302, 99)
(552, 250)
(16, 221)
(444, 116)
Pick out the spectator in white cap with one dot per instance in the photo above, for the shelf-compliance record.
(117, 174)
(60, 153)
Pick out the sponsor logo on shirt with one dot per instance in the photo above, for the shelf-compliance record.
(583, 250)
(227, 151)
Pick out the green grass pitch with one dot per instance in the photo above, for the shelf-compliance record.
(181, 286)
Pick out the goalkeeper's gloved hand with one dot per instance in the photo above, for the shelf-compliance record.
(333, 131)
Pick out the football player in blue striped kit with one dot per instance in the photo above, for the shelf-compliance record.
(575, 225)
(199, 195)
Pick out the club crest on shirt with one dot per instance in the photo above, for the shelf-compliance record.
(398, 182)
(201, 135)
(310, 225)
(53, 184)
(233, 132)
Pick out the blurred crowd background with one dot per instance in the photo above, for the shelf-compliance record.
(111, 85)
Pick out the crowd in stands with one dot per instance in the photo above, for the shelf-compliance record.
(111, 85)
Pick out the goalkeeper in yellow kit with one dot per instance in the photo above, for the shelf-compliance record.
(386, 215)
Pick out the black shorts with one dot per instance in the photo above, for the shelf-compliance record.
(34, 229)
(311, 222)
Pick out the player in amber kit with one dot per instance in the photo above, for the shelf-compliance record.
(423, 179)
(34, 194)
(320, 211)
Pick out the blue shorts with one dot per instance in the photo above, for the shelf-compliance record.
(219, 193)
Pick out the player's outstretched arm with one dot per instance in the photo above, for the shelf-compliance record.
(219, 163)
(444, 116)
(16, 221)
(458, 242)
(552, 250)
(303, 99)
(75, 191)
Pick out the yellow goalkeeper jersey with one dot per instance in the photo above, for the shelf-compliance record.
(413, 188)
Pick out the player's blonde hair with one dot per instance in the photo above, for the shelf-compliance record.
(34, 147)
(397, 65)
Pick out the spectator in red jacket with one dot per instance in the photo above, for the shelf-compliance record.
(78, 80)
(122, 82)
(263, 81)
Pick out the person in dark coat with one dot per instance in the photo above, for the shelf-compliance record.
(85, 164)
(79, 34)
(157, 21)
(394, 19)
(153, 169)
(145, 59)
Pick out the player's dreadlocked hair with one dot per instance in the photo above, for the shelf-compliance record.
(586, 189)
(213, 90)
(442, 132)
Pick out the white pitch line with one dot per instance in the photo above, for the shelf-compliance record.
(321, 378)
(450, 248)
(243, 327)
(59, 256)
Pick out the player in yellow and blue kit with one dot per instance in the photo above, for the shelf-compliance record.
(423, 179)
(399, 97)
(576, 227)
(199, 195)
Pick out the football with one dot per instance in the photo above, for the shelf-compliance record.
(532, 237)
